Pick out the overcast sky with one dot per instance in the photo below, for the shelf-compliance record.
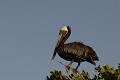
(29, 30)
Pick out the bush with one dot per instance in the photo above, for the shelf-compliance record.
(104, 73)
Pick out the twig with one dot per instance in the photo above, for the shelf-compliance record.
(74, 71)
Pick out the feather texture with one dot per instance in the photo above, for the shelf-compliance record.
(77, 51)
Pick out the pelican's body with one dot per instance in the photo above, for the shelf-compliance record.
(74, 51)
(77, 51)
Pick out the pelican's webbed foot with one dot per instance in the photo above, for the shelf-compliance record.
(75, 71)
(68, 68)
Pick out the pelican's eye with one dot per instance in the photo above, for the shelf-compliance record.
(64, 33)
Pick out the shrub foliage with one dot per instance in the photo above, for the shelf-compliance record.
(103, 73)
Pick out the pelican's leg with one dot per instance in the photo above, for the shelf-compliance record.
(78, 65)
(75, 70)
(68, 66)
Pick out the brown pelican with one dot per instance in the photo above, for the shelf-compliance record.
(74, 51)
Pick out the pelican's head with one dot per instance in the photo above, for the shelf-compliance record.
(63, 35)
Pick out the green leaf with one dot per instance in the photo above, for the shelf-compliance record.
(103, 73)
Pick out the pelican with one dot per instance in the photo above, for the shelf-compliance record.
(74, 51)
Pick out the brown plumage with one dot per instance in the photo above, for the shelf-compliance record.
(74, 51)
(77, 51)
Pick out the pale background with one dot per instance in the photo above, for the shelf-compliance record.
(29, 30)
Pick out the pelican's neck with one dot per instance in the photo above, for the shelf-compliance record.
(66, 36)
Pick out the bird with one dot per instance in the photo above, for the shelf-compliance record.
(73, 51)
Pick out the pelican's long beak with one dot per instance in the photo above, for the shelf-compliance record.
(54, 54)
(60, 37)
